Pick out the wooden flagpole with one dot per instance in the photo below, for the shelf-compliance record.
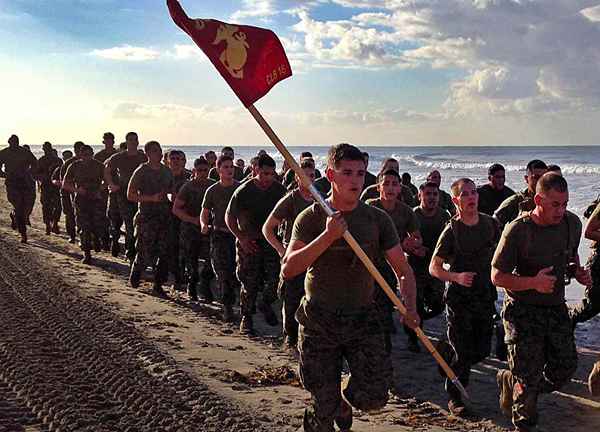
(354, 245)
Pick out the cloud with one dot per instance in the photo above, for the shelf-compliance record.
(257, 9)
(184, 52)
(127, 53)
(178, 114)
(516, 56)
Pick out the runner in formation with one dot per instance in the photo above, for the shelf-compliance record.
(191, 226)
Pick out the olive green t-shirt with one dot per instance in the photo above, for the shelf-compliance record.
(446, 202)
(87, 174)
(526, 247)
(513, 206)
(372, 192)
(490, 199)
(287, 209)
(104, 154)
(252, 205)
(238, 173)
(17, 163)
(192, 194)
(431, 228)
(402, 215)
(149, 181)
(469, 248)
(216, 200)
(46, 166)
(337, 278)
(125, 165)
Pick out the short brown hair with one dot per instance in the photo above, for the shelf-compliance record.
(151, 144)
(343, 151)
(551, 180)
(458, 184)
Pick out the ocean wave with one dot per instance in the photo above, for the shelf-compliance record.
(427, 162)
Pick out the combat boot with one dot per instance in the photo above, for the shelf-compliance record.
(158, 291)
(24, 238)
(594, 380)
(267, 311)
(227, 313)
(13, 221)
(115, 249)
(87, 257)
(457, 408)
(504, 379)
(246, 325)
(55, 228)
(344, 417)
(206, 295)
(191, 288)
(134, 278)
(48, 229)
(72, 240)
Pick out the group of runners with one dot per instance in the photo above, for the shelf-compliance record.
(260, 234)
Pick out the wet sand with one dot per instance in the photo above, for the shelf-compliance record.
(87, 352)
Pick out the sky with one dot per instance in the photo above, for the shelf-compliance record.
(379, 72)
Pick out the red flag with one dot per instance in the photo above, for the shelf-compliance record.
(251, 59)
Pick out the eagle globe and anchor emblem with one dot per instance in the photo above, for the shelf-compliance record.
(235, 54)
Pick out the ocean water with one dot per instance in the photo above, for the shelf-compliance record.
(580, 166)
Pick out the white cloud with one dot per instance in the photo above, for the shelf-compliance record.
(127, 53)
(517, 55)
(184, 52)
(178, 114)
(258, 9)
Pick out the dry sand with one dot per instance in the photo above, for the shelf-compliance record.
(245, 383)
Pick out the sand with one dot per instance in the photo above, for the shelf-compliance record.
(70, 327)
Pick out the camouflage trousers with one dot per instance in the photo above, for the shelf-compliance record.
(195, 246)
(128, 210)
(105, 237)
(430, 299)
(291, 292)
(90, 220)
(470, 329)
(590, 304)
(541, 354)
(114, 216)
(176, 264)
(66, 199)
(51, 205)
(151, 244)
(328, 337)
(222, 248)
(22, 198)
(251, 270)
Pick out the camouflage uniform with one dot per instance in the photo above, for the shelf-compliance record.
(222, 242)
(514, 206)
(590, 304)
(541, 346)
(193, 244)
(124, 165)
(101, 157)
(469, 310)
(251, 206)
(430, 290)
(405, 222)
(67, 200)
(50, 194)
(339, 320)
(152, 221)
(90, 216)
(20, 186)
(175, 260)
(290, 291)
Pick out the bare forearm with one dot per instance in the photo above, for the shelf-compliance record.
(232, 223)
(511, 282)
(268, 231)
(297, 261)
(408, 289)
(437, 271)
